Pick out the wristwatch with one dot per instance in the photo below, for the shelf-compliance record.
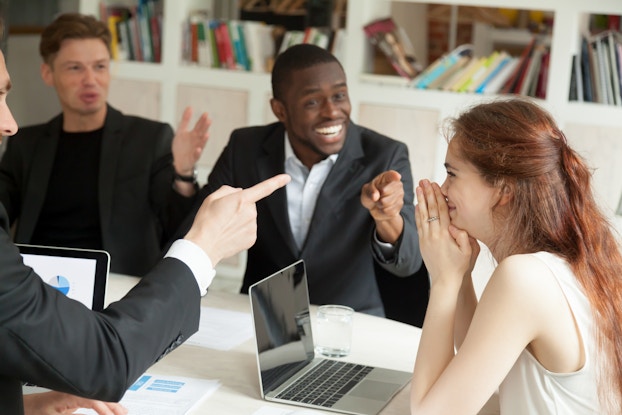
(188, 179)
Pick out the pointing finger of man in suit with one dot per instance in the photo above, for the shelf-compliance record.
(226, 222)
(384, 198)
(384, 195)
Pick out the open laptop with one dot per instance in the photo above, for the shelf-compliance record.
(286, 357)
(80, 274)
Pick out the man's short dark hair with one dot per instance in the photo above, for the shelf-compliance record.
(295, 58)
(71, 26)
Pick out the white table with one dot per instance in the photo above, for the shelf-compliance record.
(376, 341)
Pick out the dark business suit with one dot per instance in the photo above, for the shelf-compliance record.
(139, 210)
(58, 343)
(338, 252)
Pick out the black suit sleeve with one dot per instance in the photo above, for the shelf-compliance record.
(58, 343)
(10, 180)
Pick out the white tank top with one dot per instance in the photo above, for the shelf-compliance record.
(531, 389)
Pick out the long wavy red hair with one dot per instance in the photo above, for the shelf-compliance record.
(514, 142)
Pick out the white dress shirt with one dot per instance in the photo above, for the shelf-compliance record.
(303, 190)
(197, 260)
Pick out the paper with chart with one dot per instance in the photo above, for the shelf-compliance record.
(164, 395)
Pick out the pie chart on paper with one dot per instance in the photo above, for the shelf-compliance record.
(60, 283)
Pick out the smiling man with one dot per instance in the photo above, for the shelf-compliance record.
(349, 205)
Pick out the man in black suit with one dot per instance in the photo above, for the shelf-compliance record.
(93, 177)
(56, 342)
(350, 202)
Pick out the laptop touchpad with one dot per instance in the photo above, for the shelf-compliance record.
(372, 389)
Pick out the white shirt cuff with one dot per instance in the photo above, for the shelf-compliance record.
(387, 249)
(196, 259)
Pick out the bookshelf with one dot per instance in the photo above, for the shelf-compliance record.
(385, 103)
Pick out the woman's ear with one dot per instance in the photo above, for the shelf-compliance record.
(505, 195)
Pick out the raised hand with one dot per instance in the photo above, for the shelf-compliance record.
(188, 144)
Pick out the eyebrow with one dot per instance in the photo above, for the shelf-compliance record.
(449, 166)
(312, 90)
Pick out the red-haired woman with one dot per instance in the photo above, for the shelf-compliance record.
(547, 330)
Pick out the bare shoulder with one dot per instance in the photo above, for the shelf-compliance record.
(526, 279)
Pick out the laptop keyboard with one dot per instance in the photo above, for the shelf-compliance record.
(326, 383)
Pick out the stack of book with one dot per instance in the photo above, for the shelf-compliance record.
(136, 30)
(245, 44)
(461, 71)
(597, 70)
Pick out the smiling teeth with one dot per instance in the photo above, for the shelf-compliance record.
(330, 130)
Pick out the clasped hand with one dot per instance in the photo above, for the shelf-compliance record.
(449, 253)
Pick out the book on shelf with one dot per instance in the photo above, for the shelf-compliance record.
(245, 45)
(495, 84)
(495, 69)
(499, 72)
(614, 69)
(136, 30)
(442, 65)
(600, 74)
(490, 64)
(259, 45)
(447, 74)
(392, 41)
(513, 82)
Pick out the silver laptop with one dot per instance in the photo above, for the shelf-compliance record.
(80, 274)
(289, 370)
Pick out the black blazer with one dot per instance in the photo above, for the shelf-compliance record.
(338, 252)
(139, 210)
(53, 341)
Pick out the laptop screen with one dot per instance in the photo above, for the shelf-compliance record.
(280, 307)
(80, 274)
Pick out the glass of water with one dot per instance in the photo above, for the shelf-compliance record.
(333, 334)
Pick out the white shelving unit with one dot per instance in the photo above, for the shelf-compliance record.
(235, 99)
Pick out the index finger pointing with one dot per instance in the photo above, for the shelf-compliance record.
(265, 188)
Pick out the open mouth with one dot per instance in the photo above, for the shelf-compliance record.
(330, 132)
